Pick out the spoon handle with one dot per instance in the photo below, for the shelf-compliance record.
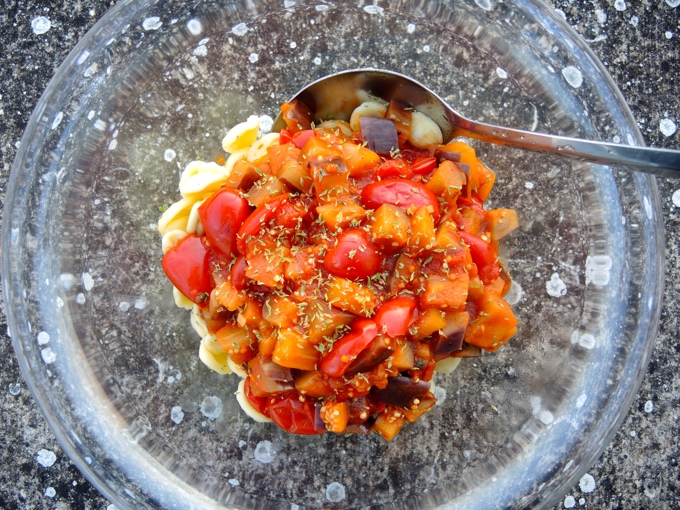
(659, 162)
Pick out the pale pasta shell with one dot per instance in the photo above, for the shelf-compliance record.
(424, 131)
(198, 323)
(259, 147)
(175, 217)
(181, 300)
(247, 407)
(241, 135)
(194, 222)
(447, 365)
(237, 369)
(216, 361)
(200, 178)
(367, 109)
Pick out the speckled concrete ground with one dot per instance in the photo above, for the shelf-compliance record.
(638, 43)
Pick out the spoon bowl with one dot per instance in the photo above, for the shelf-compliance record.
(335, 97)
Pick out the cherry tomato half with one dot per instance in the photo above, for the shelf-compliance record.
(396, 315)
(257, 219)
(354, 256)
(221, 216)
(301, 137)
(259, 403)
(401, 192)
(394, 168)
(187, 266)
(345, 350)
(483, 255)
(285, 137)
(238, 273)
(294, 416)
(423, 166)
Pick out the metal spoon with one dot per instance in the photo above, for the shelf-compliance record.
(335, 97)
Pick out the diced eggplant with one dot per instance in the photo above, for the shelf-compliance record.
(468, 351)
(360, 428)
(464, 167)
(401, 391)
(446, 344)
(261, 385)
(377, 352)
(442, 154)
(380, 135)
(319, 424)
(275, 371)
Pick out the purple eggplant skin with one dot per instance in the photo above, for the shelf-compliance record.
(442, 155)
(446, 344)
(274, 371)
(401, 391)
(319, 424)
(464, 167)
(380, 135)
(377, 352)
(468, 351)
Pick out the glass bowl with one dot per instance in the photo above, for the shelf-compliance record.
(114, 365)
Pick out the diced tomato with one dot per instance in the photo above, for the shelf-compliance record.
(345, 350)
(259, 217)
(483, 255)
(295, 413)
(354, 256)
(301, 137)
(396, 315)
(394, 168)
(187, 266)
(401, 192)
(423, 166)
(238, 273)
(259, 403)
(221, 216)
(285, 137)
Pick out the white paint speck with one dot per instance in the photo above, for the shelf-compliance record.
(601, 16)
(587, 341)
(233, 482)
(374, 9)
(335, 492)
(14, 389)
(80, 298)
(667, 127)
(440, 395)
(410, 28)
(46, 458)
(634, 20)
(581, 400)
(253, 57)
(140, 303)
(169, 155)
(288, 3)
(113, 144)
(211, 407)
(515, 294)
(264, 452)
(57, 120)
(569, 502)
(266, 123)
(573, 76)
(426, 48)
(201, 50)
(582, 501)
(620, 5)
(546, 417)
(88, 281)
(669, 34)
(40, 25)
(598, 269)
(152, 23)
(43, 337)
(195, 26)
(50, 492)
(676, 198)
(502, 74)
(293, 45)
(556, 287)
(484, 4)
(673, 3)
(649, 406)
(240, 29)
(48, 355)
(317, 61)
(587, 483)
(100, 125)
(123, 306)
(529, 185)
(242, 443)
(176, 414)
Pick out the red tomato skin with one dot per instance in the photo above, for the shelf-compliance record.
(423, 166)
(292, 415)
(483, 256)
(221, 216)
(394, 168)
(401, 192)
(353, 256)
(285, 137)
(187, 266)
(259, 403)
(238, 273)
(345, 350)
(256, 220)
(396, 315)
(301, 137)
